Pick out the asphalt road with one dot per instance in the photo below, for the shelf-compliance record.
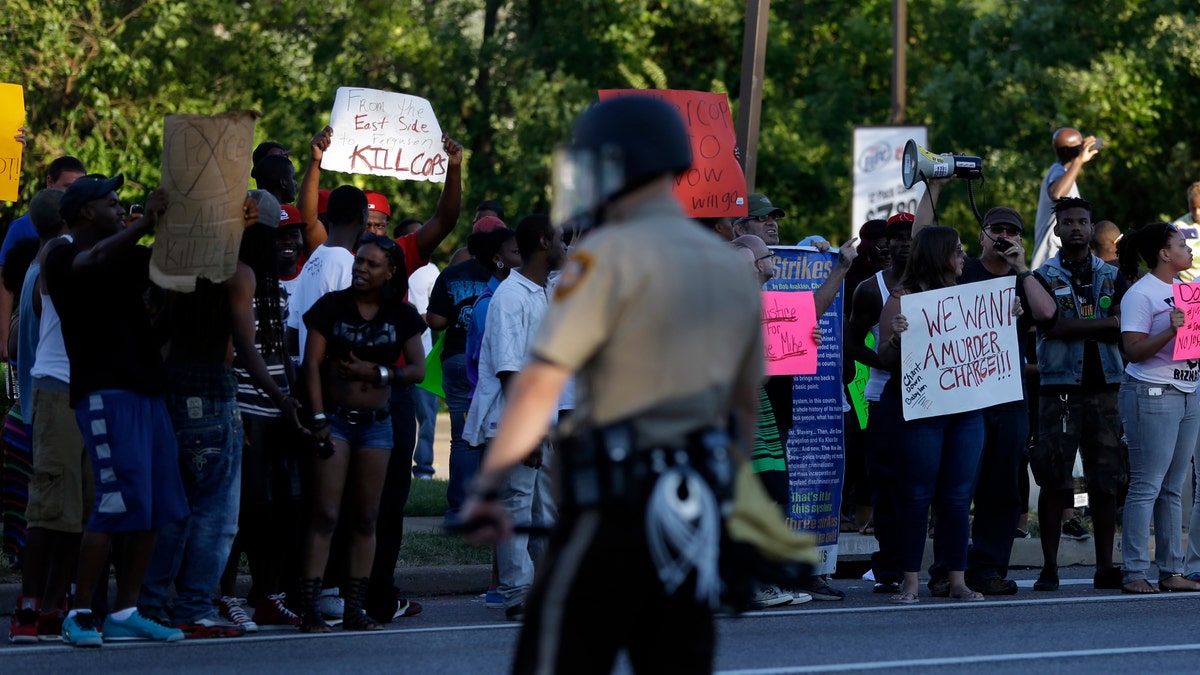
(1077, 630)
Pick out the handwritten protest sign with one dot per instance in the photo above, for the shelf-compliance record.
(12, 118)
(960, 351)
(788, 320)
(205, 170)
(1187, 339)
(385, 134)
(715, 185)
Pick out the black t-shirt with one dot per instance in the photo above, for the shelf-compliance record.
(105, 325)
(378, 340)
(453, 297)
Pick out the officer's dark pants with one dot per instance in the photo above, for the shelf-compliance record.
(997, 493)
(596, 593)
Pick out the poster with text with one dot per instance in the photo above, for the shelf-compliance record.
(815, 447)
(1187, 338)
(381, 133)
(12, 118)
(788, 319)
(205, 170)
(715, 185)
(879, 191)
(960, 351)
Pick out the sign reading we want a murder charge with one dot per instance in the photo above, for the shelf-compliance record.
(381, 133)
(960, 351)
(715, 186)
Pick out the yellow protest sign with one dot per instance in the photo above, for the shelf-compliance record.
(12, 118)
(205, 170)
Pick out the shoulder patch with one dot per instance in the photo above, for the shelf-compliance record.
(574, 271)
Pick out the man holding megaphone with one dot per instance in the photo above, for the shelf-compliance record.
(1073, 150)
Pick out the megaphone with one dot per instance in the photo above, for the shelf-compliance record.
(920, 164)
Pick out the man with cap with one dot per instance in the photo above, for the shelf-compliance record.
(866, 305)
(650, 393)
(1081, 368)
(1006, 425)
(96, 282)
(1072, 150)
(761, 220)
(451, 304)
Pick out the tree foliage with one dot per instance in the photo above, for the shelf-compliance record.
(507, 77)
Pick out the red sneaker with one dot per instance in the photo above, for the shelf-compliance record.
(24, 628)
(272, 613)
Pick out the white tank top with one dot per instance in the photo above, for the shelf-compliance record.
(878, 378)
(51, 359)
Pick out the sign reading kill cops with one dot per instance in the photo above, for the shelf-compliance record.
(381, 133)
(715, 186)
(960, 351)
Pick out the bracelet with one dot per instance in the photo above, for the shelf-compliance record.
(383, 375)
(894, 341)
(1023, 276)
(319, 417)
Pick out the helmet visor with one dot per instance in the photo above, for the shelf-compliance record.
(583, 180)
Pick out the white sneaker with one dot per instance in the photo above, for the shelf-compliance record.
(772, 596)
(332, 605)
(799, 597)
(234, 609)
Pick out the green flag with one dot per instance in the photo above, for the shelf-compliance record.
(433, 370)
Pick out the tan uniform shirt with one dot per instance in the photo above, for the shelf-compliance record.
(660, 320)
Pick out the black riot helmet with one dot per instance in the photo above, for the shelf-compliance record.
(619, 145)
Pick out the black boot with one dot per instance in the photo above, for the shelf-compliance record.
(310, 607)
(354, 592)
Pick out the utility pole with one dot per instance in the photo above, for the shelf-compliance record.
(899, 59)
(754, 55)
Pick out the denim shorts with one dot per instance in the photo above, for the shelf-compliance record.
(377, 434)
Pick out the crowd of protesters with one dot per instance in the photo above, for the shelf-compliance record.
(164, 434)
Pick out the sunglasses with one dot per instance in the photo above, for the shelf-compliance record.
(381, 240)
(1006, 230)
(761, 219)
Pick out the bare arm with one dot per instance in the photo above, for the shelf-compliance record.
(925, 210)
(112, 246)
(445, 216)
(314, 232)
(1141, 346)
(891, 322)
(865, 308)
(414, 356)
(1059, 188)
(436, 321)
(241, 306)
(824, 296)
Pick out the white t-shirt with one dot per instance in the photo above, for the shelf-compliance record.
(517, 309)
(420, 285)
(328, 269)
(1146, 308)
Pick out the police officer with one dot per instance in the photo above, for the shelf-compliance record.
(659, 322)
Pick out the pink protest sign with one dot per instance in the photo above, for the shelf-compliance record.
(788, 319)
(1187, 339)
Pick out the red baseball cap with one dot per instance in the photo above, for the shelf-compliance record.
(487, 224)
(377, 202)
(290, 216)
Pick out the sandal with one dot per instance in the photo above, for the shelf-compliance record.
(848, 525)
(867, 530)
(1139, 587)
(967, 595)
(1176, 583)
(904, 599)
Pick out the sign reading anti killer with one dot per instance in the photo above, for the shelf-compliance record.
(715, 186)
(815, 447)
(960, 351)
(1187, 338)
(385, 134)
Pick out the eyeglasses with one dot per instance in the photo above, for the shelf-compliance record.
(1005, 230)
(765, 257)
(760, 219)
(381, 240)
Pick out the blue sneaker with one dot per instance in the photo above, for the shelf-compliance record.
(80, 631)
(493, 599)
(138, 627)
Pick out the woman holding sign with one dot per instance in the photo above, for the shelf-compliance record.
(355, 335)
(1158, 408)
(938, 456)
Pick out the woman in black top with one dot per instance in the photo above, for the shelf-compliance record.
(355, 338)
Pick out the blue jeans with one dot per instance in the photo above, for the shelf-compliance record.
(464, 460)
(527, 498)
(937, 465)
(1161, 425)
(426, 403)
(210, 459)
(996, 493)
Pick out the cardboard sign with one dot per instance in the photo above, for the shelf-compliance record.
(715, 185)
(788, 320)
(12, 118)
(1187, 338)
(205, 170)
(385, 134)
(960, 351)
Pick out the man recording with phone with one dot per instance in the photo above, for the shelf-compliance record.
(1073, 150)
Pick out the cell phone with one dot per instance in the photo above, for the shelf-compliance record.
(1002, 244)
(136, 209)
